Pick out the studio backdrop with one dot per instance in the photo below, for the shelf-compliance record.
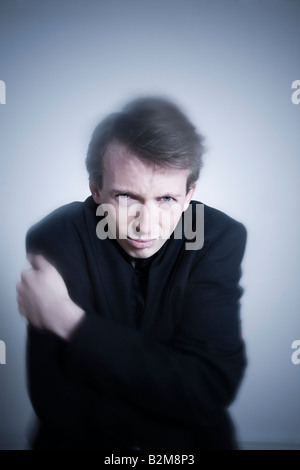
(234, 68)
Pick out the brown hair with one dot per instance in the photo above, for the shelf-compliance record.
(153, 129)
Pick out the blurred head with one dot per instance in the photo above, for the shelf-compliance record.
(153, 129)
(143, 163)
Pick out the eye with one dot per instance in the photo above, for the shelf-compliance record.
(123, 196)
(167, 199)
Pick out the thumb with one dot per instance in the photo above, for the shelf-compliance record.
(38, 262)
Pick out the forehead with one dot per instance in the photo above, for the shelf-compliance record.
(121, 166)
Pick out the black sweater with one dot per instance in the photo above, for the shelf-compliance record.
(158, 358)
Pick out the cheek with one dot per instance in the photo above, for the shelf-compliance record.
(169, 218)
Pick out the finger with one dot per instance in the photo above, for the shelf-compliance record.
(22, 312)
(20, 305)
(39, 262)
(20, 286)
(26, 278)
(19, 289)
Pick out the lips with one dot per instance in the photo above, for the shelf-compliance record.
(137, 243)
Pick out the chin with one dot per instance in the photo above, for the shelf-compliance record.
(141, 253)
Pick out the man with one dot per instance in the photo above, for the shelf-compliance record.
(134, 336)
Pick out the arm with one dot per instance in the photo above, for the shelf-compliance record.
(188, 379)
(197, 373)
(61, 400)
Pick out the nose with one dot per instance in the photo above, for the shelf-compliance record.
(146, 223)
(143, 221)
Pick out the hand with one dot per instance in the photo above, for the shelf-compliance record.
(44, 300)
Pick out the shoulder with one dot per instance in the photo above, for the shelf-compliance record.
(215, 220)
(59, 225)
(219, 229)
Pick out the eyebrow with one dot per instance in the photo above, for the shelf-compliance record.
(136, 195)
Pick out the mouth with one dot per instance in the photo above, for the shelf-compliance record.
(137, 243)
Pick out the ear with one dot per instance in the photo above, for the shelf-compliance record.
(95, 193)
(188, 197)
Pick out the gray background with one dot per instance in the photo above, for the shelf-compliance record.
(230, 65)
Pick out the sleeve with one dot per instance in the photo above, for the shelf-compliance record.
(72, 409)
(62, 399)
(196, 374)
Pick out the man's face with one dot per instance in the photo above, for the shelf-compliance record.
(147, 201)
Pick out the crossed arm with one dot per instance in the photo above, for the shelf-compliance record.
(192, 377)
(44, 300)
